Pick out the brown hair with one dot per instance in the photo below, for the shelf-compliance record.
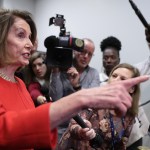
(7, 18)
(30, 76)
(136, 94)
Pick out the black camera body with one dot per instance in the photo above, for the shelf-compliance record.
(60, 49)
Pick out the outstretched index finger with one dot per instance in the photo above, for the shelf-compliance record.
(133, 81)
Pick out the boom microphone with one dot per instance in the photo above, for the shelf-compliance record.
(64, 41)
(139, 14)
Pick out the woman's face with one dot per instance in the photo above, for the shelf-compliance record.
(18, 43)
(121, 74)
(39, 68)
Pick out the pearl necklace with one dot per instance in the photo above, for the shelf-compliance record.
(5, 77)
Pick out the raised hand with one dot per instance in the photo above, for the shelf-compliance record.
(73, 76)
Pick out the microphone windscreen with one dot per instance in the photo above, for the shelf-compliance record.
(51, 41)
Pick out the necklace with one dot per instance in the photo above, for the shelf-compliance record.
(5, 77)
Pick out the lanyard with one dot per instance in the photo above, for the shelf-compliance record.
(114, 139)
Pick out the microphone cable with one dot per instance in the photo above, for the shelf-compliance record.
(145, 103)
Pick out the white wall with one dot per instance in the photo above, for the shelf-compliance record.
(97, 19)
(28, 5)
(1, 3)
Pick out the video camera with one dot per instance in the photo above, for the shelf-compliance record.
(60, 49)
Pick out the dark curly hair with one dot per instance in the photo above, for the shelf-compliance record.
(110, 42)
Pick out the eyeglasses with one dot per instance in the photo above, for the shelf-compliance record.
(83, 53)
